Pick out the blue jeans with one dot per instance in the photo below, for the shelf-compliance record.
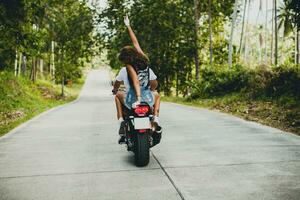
(146, 96)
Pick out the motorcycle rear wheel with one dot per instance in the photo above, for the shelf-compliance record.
(141, 149)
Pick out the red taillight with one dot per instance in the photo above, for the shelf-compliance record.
(142, 131)
(141, 110)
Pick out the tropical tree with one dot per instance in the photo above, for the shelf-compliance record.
(164, 31)
(233, 23)
(40, 32)
(286, 21)
(196, 18)
(276, 32)
(210, 33)
(11, 20)
(295, 8)
(243, 25)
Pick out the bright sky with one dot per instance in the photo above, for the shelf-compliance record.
(101, 3)
(254, 16)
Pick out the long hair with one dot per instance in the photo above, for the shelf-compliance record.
(129, 55)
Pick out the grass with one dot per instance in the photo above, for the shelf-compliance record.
(20, 99)
(282, 113)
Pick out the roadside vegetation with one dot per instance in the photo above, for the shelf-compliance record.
(20, 99)
(269, 96)
(45, 46)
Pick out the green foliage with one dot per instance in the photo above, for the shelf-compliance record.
(220, 80)
(11, 20)
(294, 6)
(20, 99)
(285, 81)
(259, 82)
(29, 27)
(165, 30)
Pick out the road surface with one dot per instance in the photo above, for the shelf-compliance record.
(71, 152)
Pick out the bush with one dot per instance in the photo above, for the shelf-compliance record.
(260, 79)
(219, 80)
(285, 81)
(259, 82)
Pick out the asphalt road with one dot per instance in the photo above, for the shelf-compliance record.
(71, 152)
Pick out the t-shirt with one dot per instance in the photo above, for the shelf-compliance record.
(123, 76)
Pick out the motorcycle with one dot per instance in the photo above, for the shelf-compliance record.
(140, 135)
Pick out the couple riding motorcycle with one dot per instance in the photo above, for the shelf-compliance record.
(140, 84)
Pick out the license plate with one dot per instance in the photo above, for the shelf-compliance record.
(141, 123)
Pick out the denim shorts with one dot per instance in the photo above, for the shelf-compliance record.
(146, 96)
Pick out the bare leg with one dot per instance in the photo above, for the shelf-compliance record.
(156, 103)
(135, 80)
(156, 127)
(119, 99)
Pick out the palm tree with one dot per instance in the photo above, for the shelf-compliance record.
(276, 32)
(295, 7)
(210, 32)
(233, 22)
(285, 17)
(272, 37)
(243, 26)
(196, 4)
(266, 33)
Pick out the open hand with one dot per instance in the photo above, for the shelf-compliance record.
(126, 21)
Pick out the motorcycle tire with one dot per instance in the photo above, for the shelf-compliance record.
(141, 149)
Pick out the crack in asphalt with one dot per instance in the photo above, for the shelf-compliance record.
(228, 165)
(199, 166)
(169, 177)
(79, 173)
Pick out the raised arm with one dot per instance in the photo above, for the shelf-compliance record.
(133, 38)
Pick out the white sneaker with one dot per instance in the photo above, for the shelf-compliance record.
(120, 120)
(157, 126)
(156, 120)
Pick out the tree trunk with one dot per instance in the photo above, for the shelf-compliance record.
(261, 38)
(266, 35)
(37, 67)
(33, 70)
(23, 66)
(243, 26)
(272, 39)
(276, 32)
(16, 63)
(41, 68)
(210, 33)
(62, 73)
(246, 34)
(52, 68)
(196, 3)
(63, 84)
(177, 89)
(19, 64)
(233, 20)
(297, 48)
